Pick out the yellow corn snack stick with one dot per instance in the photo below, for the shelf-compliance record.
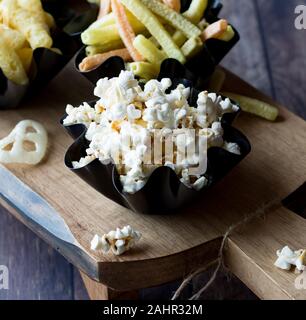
(92, 62)
(110, 20)
(154, 41)
(92, 50)
(101, 36)
(156, 29)
(25, 55)
(192, 47)
(254, 106)
(216, 81)
(49, 20)
(168, 28)
(215, 30)
(228, 35)
(32, 5)
(14, 38)
(38, 36)
(203, 24)
(105, 8)
(144, 70)
(194, 14)
(173, 4)
(105, 35)
(179, 38)
(149, 51)
(35, 6)
(31, 24)
(196, 10)
(107, 20)
(173, 18)
(126, 31)
(11, 64)
(6, 7)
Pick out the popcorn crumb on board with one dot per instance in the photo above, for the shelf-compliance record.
(288, 258)
(118, 241)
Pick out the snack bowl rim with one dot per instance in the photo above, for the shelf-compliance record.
(20, 91)
(211, 59)
(122, 197)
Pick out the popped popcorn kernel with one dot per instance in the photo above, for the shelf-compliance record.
(124, 123)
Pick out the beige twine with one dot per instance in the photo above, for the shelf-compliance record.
(261, 211)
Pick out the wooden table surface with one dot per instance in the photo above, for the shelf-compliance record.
(271, 55)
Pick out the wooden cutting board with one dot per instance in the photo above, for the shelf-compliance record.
(67, 213)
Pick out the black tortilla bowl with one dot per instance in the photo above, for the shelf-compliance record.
(198, 69)
(163, 193)
(47, 63)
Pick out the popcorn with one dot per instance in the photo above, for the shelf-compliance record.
(216, 127)
(131, 184)
(118, 241)
(133, 113)
(125, 121)
(200, 183)
(227, 106)
(207, 107)
(197, 185)
(84, 114)
(232, 147)
(123, 89)
(288, 258)
(83, 162)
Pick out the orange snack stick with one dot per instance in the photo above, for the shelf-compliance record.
(105, 8)
(215, 30)
(125, 29)
(94, 61)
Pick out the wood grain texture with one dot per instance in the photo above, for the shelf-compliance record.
(41, 218)
(257, 268)
(98, 291)
(32, 263)
(195, 232)
(286, 51)
(80, 292)
(251, 253)
(249, 61)
(248, 58)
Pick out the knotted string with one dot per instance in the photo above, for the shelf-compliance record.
(259, 212)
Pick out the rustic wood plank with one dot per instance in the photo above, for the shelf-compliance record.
(32, 210)
(98, 291)
(248, 58)
(32, 264)
(196, 235)
(80, 292)
(61, 176)
(252, 251)
(257, 268)
(286, 49)
(242, 71)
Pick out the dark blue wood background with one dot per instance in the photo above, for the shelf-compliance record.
(272, 56)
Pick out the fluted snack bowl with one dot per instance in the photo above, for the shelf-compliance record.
(46, 63)
(163, 193)
(198, 69)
